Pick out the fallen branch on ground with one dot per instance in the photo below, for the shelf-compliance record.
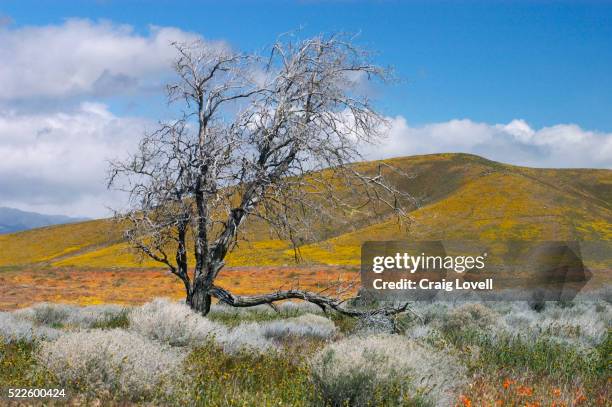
(324, 302)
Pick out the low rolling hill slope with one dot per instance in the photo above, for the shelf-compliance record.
(495, 206)
(459, 196)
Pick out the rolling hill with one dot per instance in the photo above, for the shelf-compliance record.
(459, 196)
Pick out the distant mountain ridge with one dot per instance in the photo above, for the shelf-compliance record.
(15, 220)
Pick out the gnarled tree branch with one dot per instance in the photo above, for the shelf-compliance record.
(324, 302)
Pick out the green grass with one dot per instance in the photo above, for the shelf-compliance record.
(19, 369)
(543, 356)
(236, 317)
(216, 379)
(344, 323)
(120, 320)
(213, 378)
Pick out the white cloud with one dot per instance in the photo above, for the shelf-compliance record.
(54, 145)
(54, 160)
(81, 57)
(562, 145)
(57, 163)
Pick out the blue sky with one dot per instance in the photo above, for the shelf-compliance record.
(526, 83)
(544, 62)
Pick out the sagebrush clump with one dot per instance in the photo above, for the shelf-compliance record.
(385, 369)
(65, 315)
(306, 326)
(469, 316)
(13, 329)
(173, 323)
(111, 363)
(177, 325)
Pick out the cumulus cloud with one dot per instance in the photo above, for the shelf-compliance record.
(54, 141)
(83, 58)
(57, 163)
(562, 145)
(54, 150)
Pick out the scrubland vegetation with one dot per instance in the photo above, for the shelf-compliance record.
(522, 203)
(161, 353)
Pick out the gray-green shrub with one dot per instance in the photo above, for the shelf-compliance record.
(384, 369)
(111, 363)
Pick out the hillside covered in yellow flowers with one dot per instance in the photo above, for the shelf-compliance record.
(458, 196)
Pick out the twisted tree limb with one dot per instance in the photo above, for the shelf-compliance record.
(324, 302)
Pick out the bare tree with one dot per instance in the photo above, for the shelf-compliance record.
(271, 139)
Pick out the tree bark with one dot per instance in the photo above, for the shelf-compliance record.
(324, 302)
(200, 298)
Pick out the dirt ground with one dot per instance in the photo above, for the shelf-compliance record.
(24, 287)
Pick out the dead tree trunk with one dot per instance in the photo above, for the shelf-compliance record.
(200, 298)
